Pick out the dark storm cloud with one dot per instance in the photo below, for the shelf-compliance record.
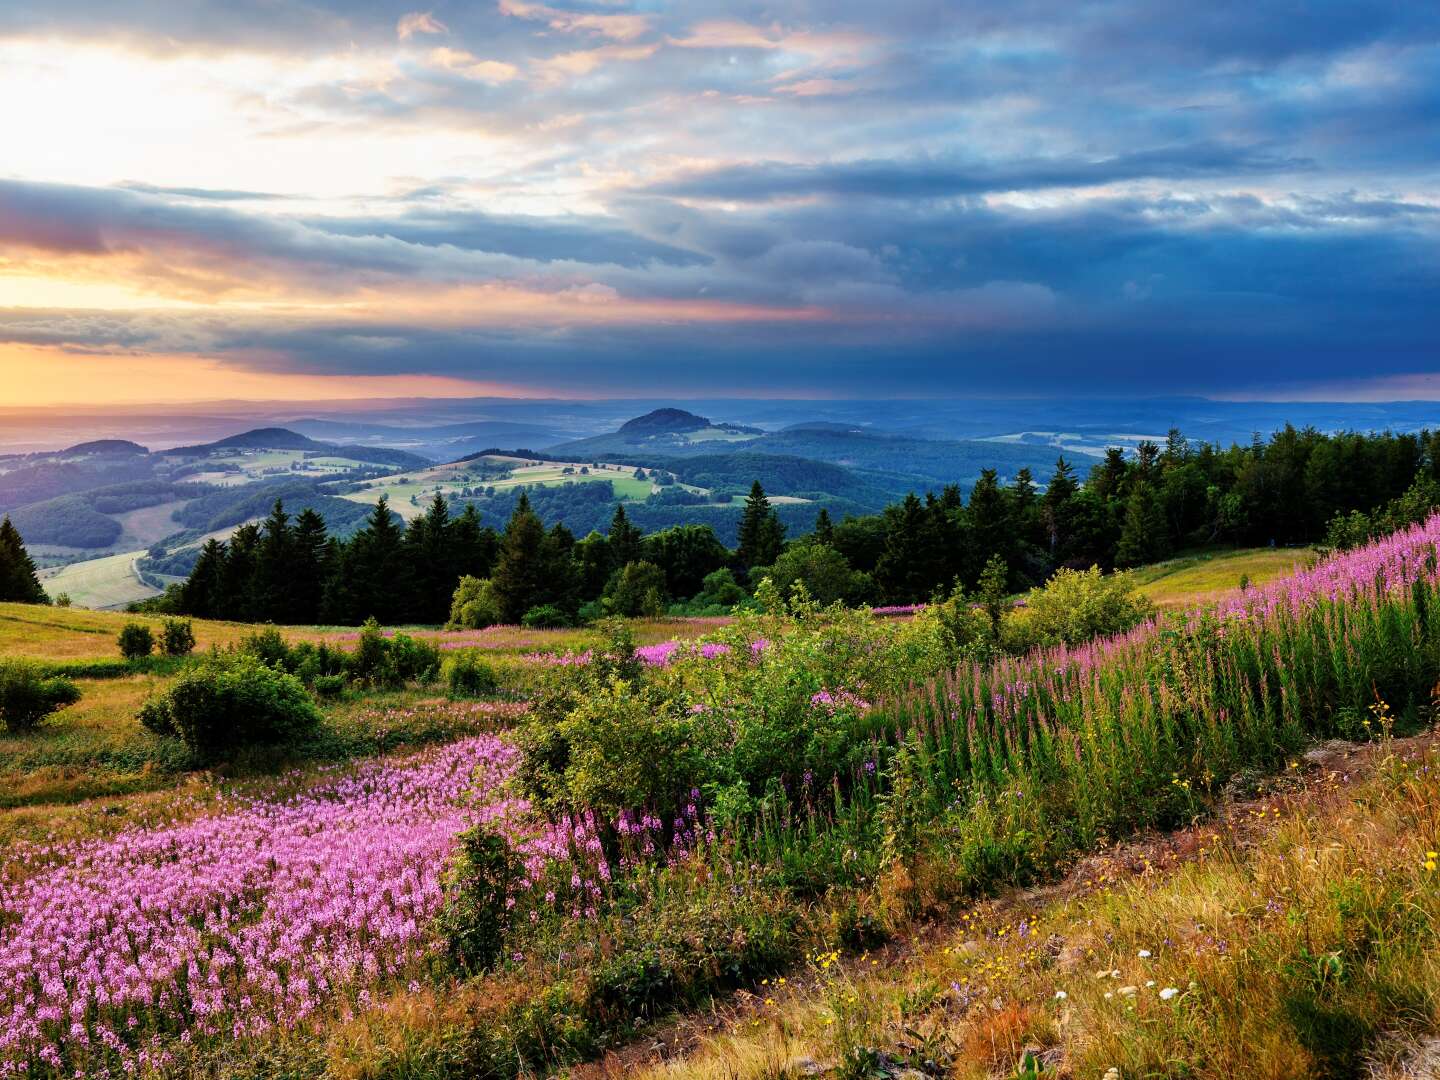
(960, 195)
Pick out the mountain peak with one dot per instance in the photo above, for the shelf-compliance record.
(664, 422)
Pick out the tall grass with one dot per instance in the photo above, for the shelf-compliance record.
(1132, 731)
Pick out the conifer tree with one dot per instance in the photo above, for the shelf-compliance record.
(19, 582)
(624, 540)
(311, 565)
(275, 570)
(200, 594)
(824, 528)
(1055, 507)
(518, 580)
(1145, 536)
(379, 572)
(762, 535)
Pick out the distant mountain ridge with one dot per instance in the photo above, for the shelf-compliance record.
(104, 446)
(274, 438)
(669, 421)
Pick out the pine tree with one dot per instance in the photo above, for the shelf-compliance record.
(19, 583)
(235, 596)
(431, 557)
(762, 535)
(1055, 507)
(824, 529)
(311, 565)
(624, 540)
(1145, 536)
(275, 569)
(380, 573)
(991, 529)
(897, 569)
(518, 580)
(200, 595)
(476, 545)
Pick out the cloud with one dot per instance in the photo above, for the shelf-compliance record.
(419, 22)
(470, 66)
(625, 27)
(928, 179)
(1073, 193)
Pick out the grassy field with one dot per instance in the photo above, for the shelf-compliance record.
(1276, 944)
(451, 479)
(1194, 578)
(97, 748)
(99, 583)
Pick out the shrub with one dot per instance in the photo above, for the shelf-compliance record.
(63, 599)
(136, 641)
(1076, 606)
(413, 659)
(391, 662)
(329, 686)
(177, 637)
(466, 675)
(229, 702)
(545, 617)
(637, 588)
(476, 917)
(310, 662)
(28, 695)
(474, 605)
(268, 646)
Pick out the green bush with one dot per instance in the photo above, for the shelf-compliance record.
(28, 695)
(545, 617)
(329, 686)
(228, 702)
(389, 663)
(136, 641)
(311, 662)
(476, 917)
(474, 605)
(636, 589)
(268, 646)
(1076, 606)
(466, 675)
(177, 637)
(621, 747)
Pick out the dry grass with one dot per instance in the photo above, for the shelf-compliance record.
(1298, 937)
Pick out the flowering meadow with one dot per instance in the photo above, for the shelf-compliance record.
(238, 922)
(805, 780)
(1069, 745)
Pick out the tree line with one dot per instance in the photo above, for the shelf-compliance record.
(1131, 509)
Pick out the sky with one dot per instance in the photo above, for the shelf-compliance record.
(252, 199)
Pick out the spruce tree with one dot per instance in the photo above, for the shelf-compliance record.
(19, 583)
(762, 535)
(824, 528)
(275, 569)
(624, 540)
(380, 573)
(991, 528)
(1055, 508)
(1145, 537)
(200, 594)
(518, 579)
(311, 565)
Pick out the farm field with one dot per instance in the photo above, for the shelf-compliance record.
(108, 582)
(452, 478)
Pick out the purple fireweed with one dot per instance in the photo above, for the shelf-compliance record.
(242, 921)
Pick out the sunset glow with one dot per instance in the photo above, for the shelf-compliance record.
(586, 200)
